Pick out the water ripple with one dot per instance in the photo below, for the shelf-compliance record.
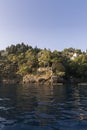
(43, 108)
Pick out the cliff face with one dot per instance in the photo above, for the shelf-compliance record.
(36, 79)
(44, 75)
(42, 79)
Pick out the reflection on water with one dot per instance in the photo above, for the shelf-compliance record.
(32, 107)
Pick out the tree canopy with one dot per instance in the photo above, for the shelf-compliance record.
(20, 59)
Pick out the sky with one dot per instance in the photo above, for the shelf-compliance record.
(51, 24)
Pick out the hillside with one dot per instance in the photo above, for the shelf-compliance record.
(18, 61)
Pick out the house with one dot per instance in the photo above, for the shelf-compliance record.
(74, 56)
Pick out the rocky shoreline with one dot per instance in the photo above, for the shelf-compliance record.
(42, 79)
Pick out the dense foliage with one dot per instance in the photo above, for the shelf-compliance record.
(19, 60)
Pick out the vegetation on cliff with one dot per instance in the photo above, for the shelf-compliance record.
(17, 61)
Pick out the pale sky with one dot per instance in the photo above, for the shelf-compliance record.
(54, 24)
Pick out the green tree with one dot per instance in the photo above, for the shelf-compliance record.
(44, 58)
(58, 69)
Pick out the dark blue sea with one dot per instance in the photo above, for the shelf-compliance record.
(33, 107)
